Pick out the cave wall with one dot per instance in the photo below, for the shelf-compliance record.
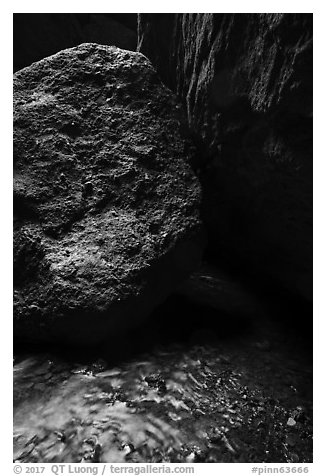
(246, 84)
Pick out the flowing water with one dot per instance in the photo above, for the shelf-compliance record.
(196, 399)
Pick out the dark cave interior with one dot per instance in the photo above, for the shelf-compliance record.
(218, 370)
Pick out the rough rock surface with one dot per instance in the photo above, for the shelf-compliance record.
(106, 206)
(246, 82)
(38, 35)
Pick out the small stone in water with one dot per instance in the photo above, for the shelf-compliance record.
(190, 458)
(291, 440)
(298, 414)
(61, 436)
(294, 458)
(291, 422)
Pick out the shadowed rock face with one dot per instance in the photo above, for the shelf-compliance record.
(246, 82)
(106, 206)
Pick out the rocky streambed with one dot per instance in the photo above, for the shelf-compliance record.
(192, 392)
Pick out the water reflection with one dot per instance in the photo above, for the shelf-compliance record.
(199, 403)
(198, 383)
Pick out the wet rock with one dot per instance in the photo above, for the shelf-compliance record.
(156, 381)
(291, 422)
(299, 414)
(96, 251)
(291, 440)
(246, 83)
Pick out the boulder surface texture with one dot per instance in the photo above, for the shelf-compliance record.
(246, 83)
(106, 205)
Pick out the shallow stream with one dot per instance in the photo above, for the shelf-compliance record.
(204, 396)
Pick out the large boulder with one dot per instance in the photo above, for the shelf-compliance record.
(106, 205)
(246, 83)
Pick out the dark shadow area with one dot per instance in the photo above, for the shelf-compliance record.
(181, 321)
(38, 35)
